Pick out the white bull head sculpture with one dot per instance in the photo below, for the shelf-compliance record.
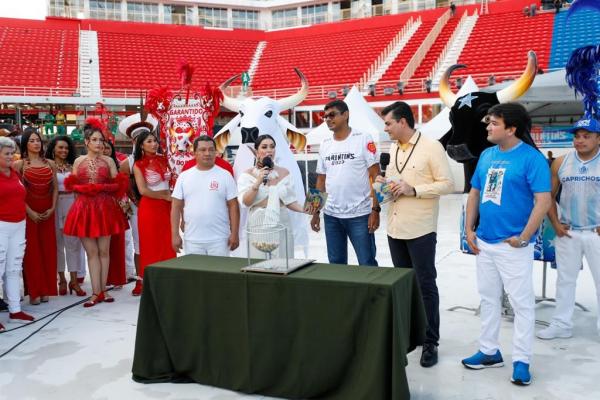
(258, 117)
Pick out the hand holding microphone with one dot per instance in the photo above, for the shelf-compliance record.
(267, 164)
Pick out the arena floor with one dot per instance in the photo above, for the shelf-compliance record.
(87, 353)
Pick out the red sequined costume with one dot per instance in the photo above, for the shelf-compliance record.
(155, 244)
(39, 262)
(95, 212)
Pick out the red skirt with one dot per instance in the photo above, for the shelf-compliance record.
(116, 267)
(93, 216)
(154, 226)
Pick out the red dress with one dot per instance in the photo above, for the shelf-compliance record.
(154, 215)
(95, 212)
(39, 262)
(116, 268)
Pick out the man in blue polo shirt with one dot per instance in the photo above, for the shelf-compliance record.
(511, 194)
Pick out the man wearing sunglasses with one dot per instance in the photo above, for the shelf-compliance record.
(347, 164)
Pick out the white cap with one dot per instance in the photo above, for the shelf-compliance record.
(133, 125)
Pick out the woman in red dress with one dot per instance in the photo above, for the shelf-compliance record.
(116, 269)
(39, 178)
(152, 177)
(95, 215)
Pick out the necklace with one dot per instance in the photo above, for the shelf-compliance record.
(407, 158)
(63, 167)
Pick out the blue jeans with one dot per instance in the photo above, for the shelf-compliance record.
(337, 232)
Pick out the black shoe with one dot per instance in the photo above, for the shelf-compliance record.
(3, 305)
(429, 357)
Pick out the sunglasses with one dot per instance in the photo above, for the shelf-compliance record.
(331, 115)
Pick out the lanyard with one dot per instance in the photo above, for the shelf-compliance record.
(407, 158)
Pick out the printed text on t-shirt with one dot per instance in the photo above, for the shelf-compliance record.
(339, 158)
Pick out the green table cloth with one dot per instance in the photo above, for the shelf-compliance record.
(325, 331)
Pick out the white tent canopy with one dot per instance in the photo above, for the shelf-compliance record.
(362, 118)
(548, 96)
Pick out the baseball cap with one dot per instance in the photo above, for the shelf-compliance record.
(587, 123)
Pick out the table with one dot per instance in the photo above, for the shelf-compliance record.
(325, 331)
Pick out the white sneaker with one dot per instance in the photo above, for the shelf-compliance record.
(553, 332)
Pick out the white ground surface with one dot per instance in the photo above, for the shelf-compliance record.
(87, 353)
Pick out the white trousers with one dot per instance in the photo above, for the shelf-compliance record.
(69, 251)
(217, 248)
(500, 265)
(133, 227)
(569, 255)
(12, 248)
(132, 243)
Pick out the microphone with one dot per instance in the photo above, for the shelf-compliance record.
(268, 163)
(384, 160)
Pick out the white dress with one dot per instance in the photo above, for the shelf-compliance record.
(279, 196)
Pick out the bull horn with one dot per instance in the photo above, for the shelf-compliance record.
(521, 85)
(448, 98)
(230, 103)
(295, 99)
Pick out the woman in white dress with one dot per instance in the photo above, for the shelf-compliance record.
(269, 189)
(69, 248)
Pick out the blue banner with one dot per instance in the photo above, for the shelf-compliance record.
(552, 137)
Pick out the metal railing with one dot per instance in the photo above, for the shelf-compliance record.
(387, 50)
(37, 91)
(412, 86)
(449, 44)
(421, 52)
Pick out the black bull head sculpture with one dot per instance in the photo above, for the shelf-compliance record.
(467, 138)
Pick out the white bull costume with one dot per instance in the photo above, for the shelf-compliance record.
(258, 117)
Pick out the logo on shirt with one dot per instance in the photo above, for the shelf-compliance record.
(371, 147)
(583, 169)
(339, 158)
(493, 186)
(214, 185)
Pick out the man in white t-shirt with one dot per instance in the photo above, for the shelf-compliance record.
(206, 195)
(347, 164)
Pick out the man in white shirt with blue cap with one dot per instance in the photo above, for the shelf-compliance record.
(576, 221)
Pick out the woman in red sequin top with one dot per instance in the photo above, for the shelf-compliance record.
(152, 177)
(39, 178)
(95, 215)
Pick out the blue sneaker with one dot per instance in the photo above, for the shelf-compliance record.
(480, 361)
(521, 375)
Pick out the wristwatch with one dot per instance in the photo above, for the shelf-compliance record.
(376, 208)
(523, 243)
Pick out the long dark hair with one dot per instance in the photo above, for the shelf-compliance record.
(25, 139)
(113, 152)
(72, 152)
(138, 153)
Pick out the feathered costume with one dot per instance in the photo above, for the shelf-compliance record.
(183, 116)
(583, 67)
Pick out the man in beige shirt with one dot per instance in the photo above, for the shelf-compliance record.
(420, 174)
